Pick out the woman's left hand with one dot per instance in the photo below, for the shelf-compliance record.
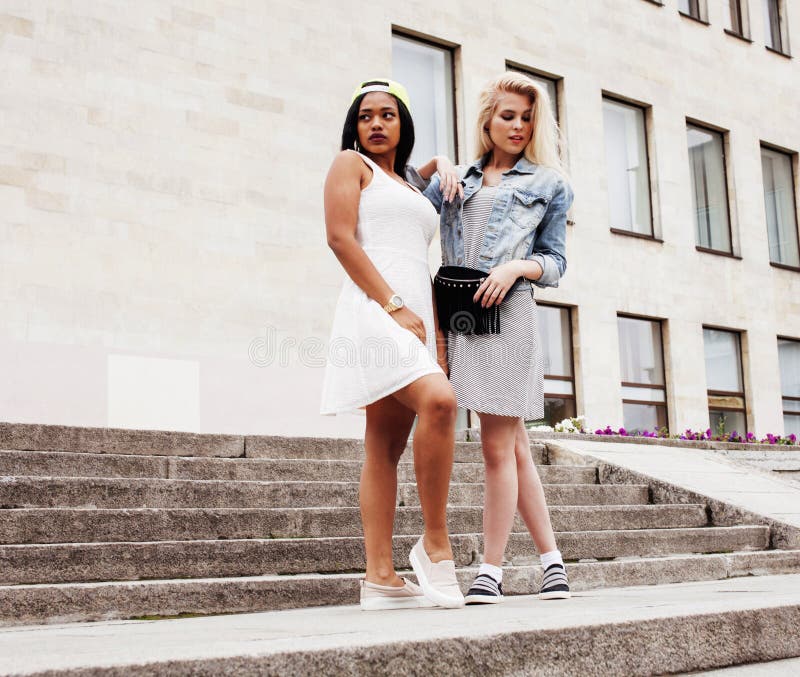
(449, 183)
(496, 285)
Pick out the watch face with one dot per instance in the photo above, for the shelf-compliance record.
(396, 301)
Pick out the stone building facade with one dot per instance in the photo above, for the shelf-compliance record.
(162, 251)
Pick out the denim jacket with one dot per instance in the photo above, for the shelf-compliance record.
(527, 221)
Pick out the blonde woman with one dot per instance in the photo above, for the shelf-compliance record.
(506, 234)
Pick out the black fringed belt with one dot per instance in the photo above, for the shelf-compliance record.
(454, 287)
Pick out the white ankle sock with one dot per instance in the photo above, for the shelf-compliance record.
(492, 570)
(552, 557)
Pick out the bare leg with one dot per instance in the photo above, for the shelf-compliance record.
(388, 425)
(498, 435)
(433, 399)
(531, 503)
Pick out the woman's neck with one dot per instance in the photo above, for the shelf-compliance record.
(384, 160)
(501, 161)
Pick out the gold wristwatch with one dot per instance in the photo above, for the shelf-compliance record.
(395, 303)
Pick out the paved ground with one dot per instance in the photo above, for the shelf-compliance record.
(29, 649)
(785, 668)
(705, 472)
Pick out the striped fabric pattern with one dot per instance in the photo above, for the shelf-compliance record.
(484, 590)
(503, 373)
(555, 584)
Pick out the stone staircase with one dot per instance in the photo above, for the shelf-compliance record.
(98, 524)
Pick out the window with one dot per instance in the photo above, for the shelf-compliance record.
(695, 9)
(709, 191)
(550, 84)
(776, 35)
(426, 70)
(736, 17)
(626, 168)
(726, 401)
(789, 359)
(555, 330)
(641, 359)
(780, 209)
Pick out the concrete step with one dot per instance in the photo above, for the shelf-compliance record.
(62, 563)
(72, 602)
(70, 464)
(36, 437)
(324, 448)
(94, 492)
(618, 631)
(75, 525)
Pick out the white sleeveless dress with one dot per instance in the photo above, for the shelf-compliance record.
(370, 356)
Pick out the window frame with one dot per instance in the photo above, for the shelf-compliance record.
(414, 36)
(792, 398)
(702, 12)
(728, 393)
(574, 396)
(793, 158)
(710, 129)
(782, 31)
(645, 108)
(629, 384)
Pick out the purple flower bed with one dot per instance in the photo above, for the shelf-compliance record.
(706, 434)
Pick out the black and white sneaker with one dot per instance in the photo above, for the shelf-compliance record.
(555, 584)
(484, 590)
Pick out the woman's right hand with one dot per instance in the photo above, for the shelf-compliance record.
(408, 319)
(449, 182)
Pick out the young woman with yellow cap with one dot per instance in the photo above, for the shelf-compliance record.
(383, 355)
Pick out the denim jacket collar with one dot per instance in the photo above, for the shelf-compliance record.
(522, 166)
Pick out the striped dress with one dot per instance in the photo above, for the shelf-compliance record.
(503, 373)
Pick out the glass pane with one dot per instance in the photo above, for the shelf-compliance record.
(791, 405)
(789, 360)
(557, 409)
(723, 360)
(709, 195)
(643, 416)
(791, 424)
(691, 7)
(640, 355)
(647, 394)
(779, 205)
(734, 421)
(547, 83)
(554, 387)
(732, 11)
(626, 167)
(427, 74)
(554, 331)
(772, 24)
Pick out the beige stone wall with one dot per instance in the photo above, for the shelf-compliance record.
(161, 167)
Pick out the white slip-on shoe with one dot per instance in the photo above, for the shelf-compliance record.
(438, 581)
(376, 597)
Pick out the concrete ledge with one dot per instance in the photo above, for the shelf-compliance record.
(783, 535)
(74, 602)
(26, 436)
(630, 631)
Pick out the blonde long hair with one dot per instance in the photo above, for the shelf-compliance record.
(546, 140)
